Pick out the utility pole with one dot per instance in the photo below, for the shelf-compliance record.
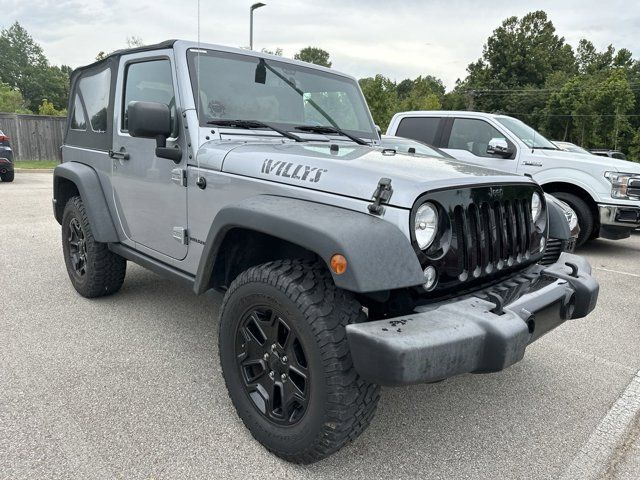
(251, 9)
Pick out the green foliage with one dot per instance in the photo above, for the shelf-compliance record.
(47, 108)
(11, 100)
(314, 55)
(382, 98)
(24, 66)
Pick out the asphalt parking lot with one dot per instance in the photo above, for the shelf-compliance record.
(129, 386)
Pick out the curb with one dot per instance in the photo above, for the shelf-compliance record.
(33, 170)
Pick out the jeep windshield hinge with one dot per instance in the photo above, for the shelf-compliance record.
(181, 235)
(381, 196)
(179, 176)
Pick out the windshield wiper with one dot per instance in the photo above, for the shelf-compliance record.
(325, 129)
(544, 148)
(249, 124)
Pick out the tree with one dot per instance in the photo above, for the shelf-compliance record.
(314, 55)
(134, 41)
(11, 100)
(381, 96)
(425, 94)
(47, 108)
(520, 53)
(24, 66)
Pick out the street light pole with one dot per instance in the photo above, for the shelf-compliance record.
(253, 7)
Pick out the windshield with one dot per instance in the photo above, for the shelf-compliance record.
(242, 87)
(528, 135)
(403, 145)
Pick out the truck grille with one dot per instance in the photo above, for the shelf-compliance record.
(492, 235)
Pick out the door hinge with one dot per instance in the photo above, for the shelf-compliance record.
(380, 196)
(179, 176)
(181, 235)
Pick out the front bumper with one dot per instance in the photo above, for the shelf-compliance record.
(619, 215)
(482, 333)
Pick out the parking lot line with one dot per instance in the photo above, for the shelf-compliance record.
(616, 271)
(606, 445)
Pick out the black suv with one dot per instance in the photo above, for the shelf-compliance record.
(6, 159)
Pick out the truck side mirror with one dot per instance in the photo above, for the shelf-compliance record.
(153, 120)
(500, 147)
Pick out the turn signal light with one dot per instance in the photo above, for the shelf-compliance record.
(338, 264)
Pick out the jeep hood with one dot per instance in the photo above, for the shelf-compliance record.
(350, 170)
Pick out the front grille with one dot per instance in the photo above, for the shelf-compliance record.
(492, 235)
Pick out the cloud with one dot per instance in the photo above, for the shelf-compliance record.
(399, 39)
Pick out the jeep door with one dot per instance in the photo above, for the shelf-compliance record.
(467, 139)
(148, 191)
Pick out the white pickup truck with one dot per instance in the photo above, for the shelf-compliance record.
(604, 192)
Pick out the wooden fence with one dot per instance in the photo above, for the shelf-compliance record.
(34, 137)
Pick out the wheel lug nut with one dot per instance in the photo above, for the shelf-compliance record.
(273, 347)
(272, 375)
(283, 377)
(284, 359)
(265, 357)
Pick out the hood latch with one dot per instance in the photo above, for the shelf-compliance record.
(381, 196)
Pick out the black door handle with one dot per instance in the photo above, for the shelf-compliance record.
(123, 155)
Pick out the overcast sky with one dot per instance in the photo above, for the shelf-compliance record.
(399, 39)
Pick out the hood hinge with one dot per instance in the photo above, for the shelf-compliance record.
(380, 196)
(181, 235)
(179, 176)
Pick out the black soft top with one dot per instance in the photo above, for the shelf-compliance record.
(125, 51)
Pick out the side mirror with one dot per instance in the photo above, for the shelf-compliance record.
(153, 120)
(500, 147)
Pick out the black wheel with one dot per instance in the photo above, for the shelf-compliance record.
(93, 269)
(585, 216)
(286, 361)
(7, 177)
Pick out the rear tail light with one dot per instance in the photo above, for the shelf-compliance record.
(4, 138)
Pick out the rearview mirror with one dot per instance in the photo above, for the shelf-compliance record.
(153, 120)
(500, 147)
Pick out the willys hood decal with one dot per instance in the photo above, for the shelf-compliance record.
(348, 170)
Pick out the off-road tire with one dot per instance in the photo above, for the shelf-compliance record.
(584, 213)
(341, 403)
(104, 270)
(7, 177)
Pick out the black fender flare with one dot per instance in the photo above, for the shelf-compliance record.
(87, 182)
(380, 257)
(558, 225)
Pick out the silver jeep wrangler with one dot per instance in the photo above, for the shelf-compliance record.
(344, 266)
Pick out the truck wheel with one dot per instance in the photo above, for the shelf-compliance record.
(7, 177)
(585, 216)
(94, 270)
(286, 361)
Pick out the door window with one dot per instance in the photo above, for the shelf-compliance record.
(149, 82)
(423, 129)
(472, 135)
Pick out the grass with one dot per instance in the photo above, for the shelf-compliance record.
(35, 164)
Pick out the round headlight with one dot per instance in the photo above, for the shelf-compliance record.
(536, 206)
(426, 225)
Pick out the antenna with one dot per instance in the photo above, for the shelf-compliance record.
(197, 99)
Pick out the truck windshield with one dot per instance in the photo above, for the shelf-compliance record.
(244, 87)
(527, 134)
